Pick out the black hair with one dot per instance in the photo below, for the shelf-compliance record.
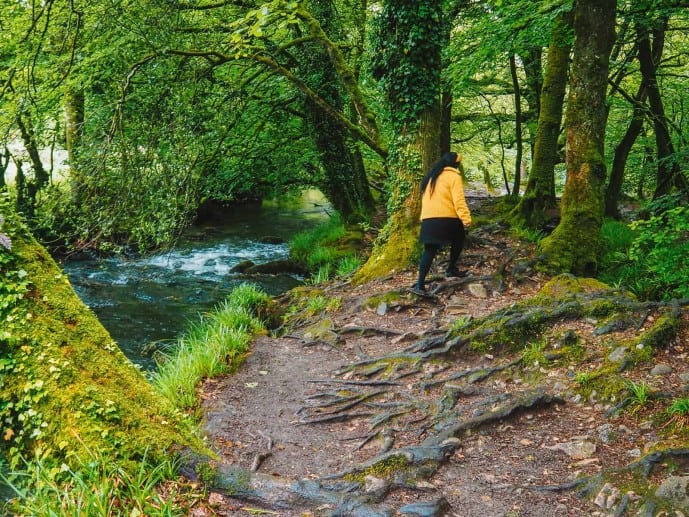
(447, 160)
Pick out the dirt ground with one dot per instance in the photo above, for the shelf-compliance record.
(304, 406)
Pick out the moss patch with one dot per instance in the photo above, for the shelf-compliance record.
(69, 391)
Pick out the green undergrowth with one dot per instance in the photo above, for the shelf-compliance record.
(331, 249)
(80, 427)
(213, 346)
(648, 256)
(526, 328)
(99, 486)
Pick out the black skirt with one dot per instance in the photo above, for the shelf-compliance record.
(441, 230)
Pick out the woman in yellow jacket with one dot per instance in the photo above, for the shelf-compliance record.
(444, 216)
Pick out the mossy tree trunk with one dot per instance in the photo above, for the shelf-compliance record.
(517, 126)
(344, 182)
(539, 195)
(407, 59)
(399, 246)
(573, 245)
(533, 79)
(67, 391)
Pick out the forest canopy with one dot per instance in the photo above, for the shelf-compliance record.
(120, 121)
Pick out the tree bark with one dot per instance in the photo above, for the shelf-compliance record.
(668, 171)
(74, 102)
(619, 162)
(446, 121)
(539, 195)
(344, 182)
(572, 246)
(533, 71)
(517, 127)
(410, 62)
(41, 177)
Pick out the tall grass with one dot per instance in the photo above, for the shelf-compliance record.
(98, 488)
(320, 251)
(212, 346)
(311, 247)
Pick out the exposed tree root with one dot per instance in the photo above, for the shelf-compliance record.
(367, 331)
(432, 415)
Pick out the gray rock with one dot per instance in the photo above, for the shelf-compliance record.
(618, 355)
(478, 290)
(606, 434)
(675, 489)
(382, 309)
(426, 509)
(577, 450)
(661, 369)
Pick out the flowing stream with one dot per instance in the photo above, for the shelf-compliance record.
(152, 300)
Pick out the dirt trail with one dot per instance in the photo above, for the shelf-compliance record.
(307, 406)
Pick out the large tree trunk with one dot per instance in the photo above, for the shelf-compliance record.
(409, 60)
(68, 391)
(668, 169)
(400, 249)
(446, 121)
(572, 246)
(539, 195)
(619, 162)
(345, 183)
(517, 127)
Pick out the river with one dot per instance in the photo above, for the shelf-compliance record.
(151, 300)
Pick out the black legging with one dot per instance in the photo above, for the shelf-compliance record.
(429, 253)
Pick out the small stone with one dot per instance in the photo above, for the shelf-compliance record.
(606, 434)
(607, 497)
(684, 377)
(661, 369)
(559, 387)
(374, 484)
(618, 355)
(634, 453)
(577, 450)
(382, 309)
(646, 426)
(478, 290)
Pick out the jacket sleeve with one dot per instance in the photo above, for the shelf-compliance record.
(459, 201)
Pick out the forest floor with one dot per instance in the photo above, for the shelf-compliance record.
(313, 402)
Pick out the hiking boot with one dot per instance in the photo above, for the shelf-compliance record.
(454, 273)
(418, 291)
